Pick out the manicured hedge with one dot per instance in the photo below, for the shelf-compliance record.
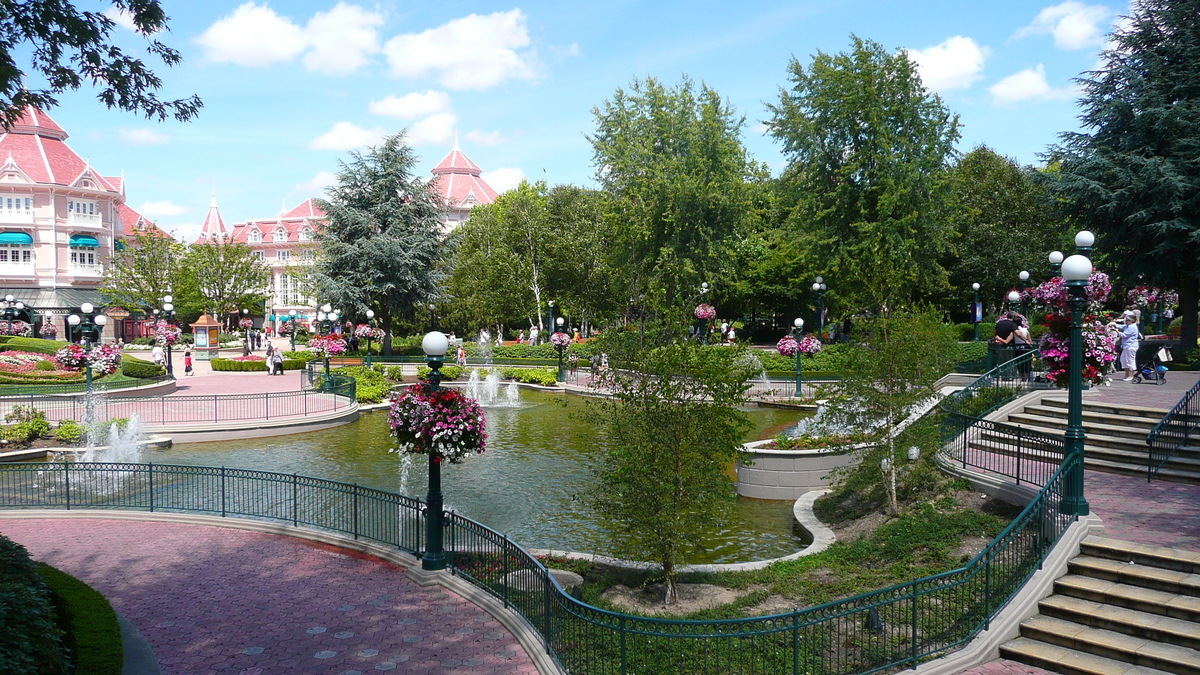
(31, 640)
(95, 635)
(547, 377)
(33, 345)
(370, 385)
(134, 367)
(231, 366)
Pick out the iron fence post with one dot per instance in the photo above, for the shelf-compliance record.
(549, 587)
(795, 642)
(504, 574)
(987, 593)
(1020, 451)
(150, 470)
(354, 516)
(295, 502)
(915, 616)
(163, 414)
(214, 408)
(222, 491)
(624, 660)
(67, 482)
(267, 404)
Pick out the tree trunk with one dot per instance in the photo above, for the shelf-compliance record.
(671, 592)
(385, 349)
(1189, 303)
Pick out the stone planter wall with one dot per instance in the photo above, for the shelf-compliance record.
(787, 474)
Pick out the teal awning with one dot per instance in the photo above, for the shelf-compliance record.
(119, 245)
(11, 237)
(81, 240)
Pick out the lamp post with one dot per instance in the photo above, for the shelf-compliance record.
(1024, 278)
(976, 313)
(434, 345)
(371, 324)
(1056, 260)
(432, 317)
(1075, 271)
(550, 323)
(702, 328)
(797, 333)
(168, 313)
(246, 349)
(1084, 241)
(292, 320)
(1014, 299)
(90, 323)
(562, 375)
(327, 316)
(11, 309)
(819, 288)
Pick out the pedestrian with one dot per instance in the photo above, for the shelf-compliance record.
(277, 361)
(158, 355)
(835, 333)
(574, 359)
(187, 361)
(462, 357)
(521, 337)
(1130, 335)
(1022, 342)
(533, 336)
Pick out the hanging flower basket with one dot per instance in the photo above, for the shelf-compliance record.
(1099, 350)
(49, 331)
(327, 345)
(166, 335)
(809, 345)
(19, 328)
(363, 331)
(1147, 297)
(444, 423)
(104, 358)
(71, 357)
(787, 345)
(246, 323)
(1052, 294)
(560, 340)
(705, 312)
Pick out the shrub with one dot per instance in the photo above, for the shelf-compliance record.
(30, 424)
(33, 642)
(371, 387)
(448, 372)
(135, 367)
(393, 373)
(300, 356)
(35, 345)
(547, 377)
(69, 432)
(45, 365)
(91, 621)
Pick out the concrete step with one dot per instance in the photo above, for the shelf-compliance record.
(1108, 408)
(1143, 554)
(1151, 601)
(1134, 574)
(1112, 645)
(1122, 620)
(1096, 417)
(1106, 426)
(1068, 661)
(1096, 459)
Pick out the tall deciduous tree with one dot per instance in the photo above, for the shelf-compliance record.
(673, 428)
(673, 163)
(1134, 176)
(1003, 222)
(68, 47)
(868, 147)
(145, 271)
(223, 277)
(381, 247)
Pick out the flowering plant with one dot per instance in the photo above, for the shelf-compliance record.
(166, 334)
(104, 358)
(442, 422)
(1145, 296)
(809, 345)
(327, 345)
(1099, 349)
(71, 357)
(363, 331)
(49, 331)
(246, 323)
(19, 362)
(560, 339)
(787, 345)
(1052, 294)
(20, 328)
(705, 311)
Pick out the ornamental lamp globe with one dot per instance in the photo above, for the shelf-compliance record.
(1055, 257)
(1085, 239)
(73, 319)
(1077, 268)
(100, 320)
(20, 305)
(1023, 276)
(559, 321)
(327, 308)
(87, 308)
(168, 307)
(974, 287)
(8, 298)
(168, 298)
(435, 343)
(1013, 296)
(820, 280)
(370, 313)
(816, 287)
(798, 323)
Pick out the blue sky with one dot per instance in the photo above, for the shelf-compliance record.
(291, 87)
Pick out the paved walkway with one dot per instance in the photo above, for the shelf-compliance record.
(219, 600)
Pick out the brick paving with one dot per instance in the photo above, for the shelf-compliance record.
(1006, 667)
(217, 600)
(1158, 512)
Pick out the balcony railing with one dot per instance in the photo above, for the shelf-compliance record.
(87, 270)
(86, 219)
(16, 216)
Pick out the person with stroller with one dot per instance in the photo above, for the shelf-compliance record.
(1130, 336)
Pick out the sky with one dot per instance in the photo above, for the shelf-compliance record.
(291, 88)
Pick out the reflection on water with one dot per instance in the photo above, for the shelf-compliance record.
(531, 483)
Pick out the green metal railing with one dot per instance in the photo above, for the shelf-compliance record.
(100, 385)
(1173, 431)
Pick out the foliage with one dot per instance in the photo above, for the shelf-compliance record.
(17, 327)
(221, 276)
(166, 334)
(1099, 350)
(1147, 297)
(34, 345)
(67, 47)
(300, 356)
(816, 441)
(680, 189)
(380, 247)
(441, 422)
(546, 377)
(866, 185)
(146, 270)
(890, 376)
(135, 367)
(232, 366)
(45, 364)
(93, 625)
(1133, 175)
(70, 432)
(673, 426)
(327, 345)
(33, 642)
(448, 372)
(371, 387)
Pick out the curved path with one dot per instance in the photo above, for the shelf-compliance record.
(220, 600)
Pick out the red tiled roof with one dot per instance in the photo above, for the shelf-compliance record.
(457, 179)
(307, 209)
(214, 225)
(131, 223)
(36, 144)
(293, 222)
(457, 162)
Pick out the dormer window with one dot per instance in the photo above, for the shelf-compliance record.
(281, 234)
(84, 212)
(255, 237)
(306, 234)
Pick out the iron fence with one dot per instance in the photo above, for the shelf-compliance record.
(102, 385)
(1173, 431)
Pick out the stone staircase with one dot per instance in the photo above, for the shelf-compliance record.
(1116, 438)
(1122, 609)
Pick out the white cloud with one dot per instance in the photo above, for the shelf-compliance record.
(252, 36)
(315, 185)
(347, 136)
(341, 39)
(143, 137)
(474, 52)
(1028, 85)
(484, 137)
(503, 179)
(160, 209)
(121, 17)
(412, 106)
(433, 130)
(1073, 24)
(953, 64)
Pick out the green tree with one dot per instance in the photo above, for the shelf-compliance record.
(381, 247)
(678, 179)
(145, 271)
(868, 149)
(1134, 175)
(67, 47)
(673, 428)
(1003, 221)
(889, 376)
(222, 277)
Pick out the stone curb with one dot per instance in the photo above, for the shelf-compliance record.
(155, 441)
(515, 623)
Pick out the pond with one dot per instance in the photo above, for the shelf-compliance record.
(531, 484)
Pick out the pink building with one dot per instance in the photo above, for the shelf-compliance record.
(59, 222)
(458, 180)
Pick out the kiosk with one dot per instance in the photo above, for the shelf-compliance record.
(206, 332)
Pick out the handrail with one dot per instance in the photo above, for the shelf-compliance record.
(80, 387)
(1173, 431)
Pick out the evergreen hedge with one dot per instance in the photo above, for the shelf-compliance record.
(135, 367)
(232, 366)
(31, 640)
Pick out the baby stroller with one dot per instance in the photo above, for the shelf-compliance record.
(1153, 370)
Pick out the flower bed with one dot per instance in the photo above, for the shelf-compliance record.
(816, 442)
